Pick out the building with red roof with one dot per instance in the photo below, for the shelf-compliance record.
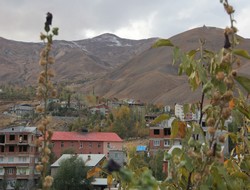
(85, 142)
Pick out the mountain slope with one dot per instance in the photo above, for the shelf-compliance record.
(151, 77)
(76, 61)
(114, 67)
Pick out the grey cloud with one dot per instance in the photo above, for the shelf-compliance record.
(23, 19)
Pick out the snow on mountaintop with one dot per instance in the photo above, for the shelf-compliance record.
(112, 39)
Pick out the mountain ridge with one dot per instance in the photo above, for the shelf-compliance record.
(114, 66)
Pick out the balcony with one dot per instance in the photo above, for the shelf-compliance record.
(24, 175)
(13, 142)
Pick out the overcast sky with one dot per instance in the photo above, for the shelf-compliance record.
(23, 20)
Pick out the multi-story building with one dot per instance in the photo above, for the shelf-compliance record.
(85, 142)
(179, 113)
(18, 155)
(160, 137)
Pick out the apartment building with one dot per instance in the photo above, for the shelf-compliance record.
(179, 113)
(160, 137)
(85, 142)
(18, 156)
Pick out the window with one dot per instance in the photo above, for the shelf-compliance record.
(72, 144)
(177, 142)
(90, 144)
(108, 145)
(2, 148)
(203, 124)
(11, 148)
(22, 171)
(22, 159)
(156, 131)
(167, 131)
(116, 155)
(1, 159)
(11, 159)
(12, 137)
(25, 137)
(1, 171)
(10, 170)
(36, 160)
(62, 144)
(166, 143)
(81, 145)
(2, 138)
(23, 148)
(99, 145)
(156, 142)
(204, 133)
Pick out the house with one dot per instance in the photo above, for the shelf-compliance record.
(90, 160)
(160, 137)
(18, 156)
(23, 110)
(85, 142)
(119, 156)
(103, 109)
(135, 106)
(100, 183)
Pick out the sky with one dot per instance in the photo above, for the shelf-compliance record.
(23, 20)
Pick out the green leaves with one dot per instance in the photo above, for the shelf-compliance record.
(160, 118)
(174, 128)
(163, 42)
(242, 53)
(244, 82)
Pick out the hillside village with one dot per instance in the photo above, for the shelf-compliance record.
(118, 116)
(20, 155)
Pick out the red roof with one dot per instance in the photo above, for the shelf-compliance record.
(91, 136)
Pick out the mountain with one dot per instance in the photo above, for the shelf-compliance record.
(113, 49)
(151, 77)
(76, 61)
(113, 66)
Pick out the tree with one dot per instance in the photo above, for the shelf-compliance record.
(71, 174)
(3, 183)
(199, 164)
(156, 164)
(127, 123)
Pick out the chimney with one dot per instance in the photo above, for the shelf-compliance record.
(89, 157)
(85, 130)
